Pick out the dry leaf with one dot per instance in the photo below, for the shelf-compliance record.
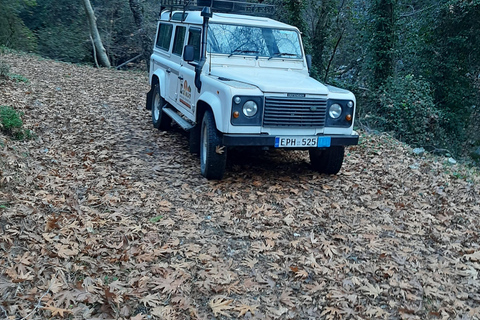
(56, 311)
(220, 304)
(151, 300)
(373, 290)
(138, 317)
(288, 219)
(474, 256)
(331, 313)
(243, 309)
(286, 298)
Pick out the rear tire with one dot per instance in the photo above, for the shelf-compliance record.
(213, 156)
(159, 119)
(327, 161)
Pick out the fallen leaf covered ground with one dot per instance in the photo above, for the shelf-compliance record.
(104, 217)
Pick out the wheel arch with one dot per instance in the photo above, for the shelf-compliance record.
(153, 82)
(208, 101)
(158, 77)
(202, 107)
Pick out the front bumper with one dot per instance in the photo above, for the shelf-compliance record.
(233, 140)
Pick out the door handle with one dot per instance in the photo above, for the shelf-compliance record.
(168, 70)
(180, 77)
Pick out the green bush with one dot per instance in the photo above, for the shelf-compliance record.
(5, 73)
(4, 70)
(10, 119)
(12, 124)
(18, 78)
(410, 109)
(406, 107)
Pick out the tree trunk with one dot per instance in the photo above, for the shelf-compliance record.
(101, 53)
(320, 34)
(146, 42)
(383, 40)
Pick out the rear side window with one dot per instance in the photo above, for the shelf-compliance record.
(164, 36)
(194, 40)
(179, 39)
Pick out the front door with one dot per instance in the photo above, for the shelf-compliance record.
(187, 90)
(174, 71)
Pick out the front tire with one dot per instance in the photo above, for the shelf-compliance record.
(194, 139)
(159, 119)
(213, 156)
(327, 161)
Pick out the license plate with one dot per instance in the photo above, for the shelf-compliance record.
(302, 142)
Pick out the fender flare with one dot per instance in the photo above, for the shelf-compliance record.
(158, 76)
(216, 106)
(162, 78)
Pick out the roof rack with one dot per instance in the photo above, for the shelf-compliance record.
(223, 6)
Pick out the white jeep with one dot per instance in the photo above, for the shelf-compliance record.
(240, 80)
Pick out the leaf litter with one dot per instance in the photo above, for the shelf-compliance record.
(104, 217)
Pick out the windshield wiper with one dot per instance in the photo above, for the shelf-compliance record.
(241, 51)
(278, 54)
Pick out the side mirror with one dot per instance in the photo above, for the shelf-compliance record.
(188, 53)
(309, 61)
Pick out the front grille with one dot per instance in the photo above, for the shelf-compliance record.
(294, 112)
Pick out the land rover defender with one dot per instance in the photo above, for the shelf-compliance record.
(232, 77)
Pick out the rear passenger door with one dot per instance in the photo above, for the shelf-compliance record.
(161, 55)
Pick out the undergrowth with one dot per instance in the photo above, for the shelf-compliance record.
(12, 125)
(6, 75)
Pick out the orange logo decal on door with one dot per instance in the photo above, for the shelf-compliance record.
(186, 90)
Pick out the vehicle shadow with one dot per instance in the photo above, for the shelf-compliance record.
(268, 162)
(248, 162)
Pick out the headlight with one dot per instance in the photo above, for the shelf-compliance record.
(335, 111)
(250, 108)
(350, 104)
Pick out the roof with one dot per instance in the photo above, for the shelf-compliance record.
(194, 17)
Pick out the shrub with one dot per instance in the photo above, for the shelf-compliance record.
(4, 70)
(12, 124)
(406, 107)
(410, 110)
(18, 78)
(5, 74)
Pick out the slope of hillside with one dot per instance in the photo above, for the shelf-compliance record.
(103, 217)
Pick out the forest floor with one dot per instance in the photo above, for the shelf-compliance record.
(104, 217)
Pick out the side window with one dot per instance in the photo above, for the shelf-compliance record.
(164, 36)
(178, 41)
(194, 36)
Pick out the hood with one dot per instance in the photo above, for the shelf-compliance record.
(273, 80)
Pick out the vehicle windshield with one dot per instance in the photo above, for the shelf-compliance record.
(253, 41)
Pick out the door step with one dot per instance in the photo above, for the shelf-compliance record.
(185, 124)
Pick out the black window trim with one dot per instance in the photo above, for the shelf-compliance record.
(171, 32)
(175, 38)
(198, 29)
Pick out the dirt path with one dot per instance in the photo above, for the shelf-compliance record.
(104, 217)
